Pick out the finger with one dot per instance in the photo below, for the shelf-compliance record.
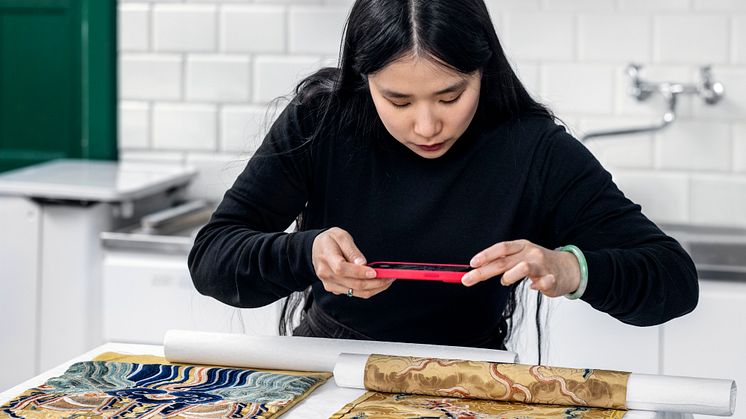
(349, 249)
(547, 284)
(343, 289)
(491, 269)
(363, 284)
(365, 294)
(498, 250)
(516, 273)
(342, 268)
(335, 288)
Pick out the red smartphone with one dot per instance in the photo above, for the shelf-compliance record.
(420, 271)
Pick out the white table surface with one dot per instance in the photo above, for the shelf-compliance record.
(322, 403)
(93, 180)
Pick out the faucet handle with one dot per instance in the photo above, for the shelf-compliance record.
(639, 90)
(712, 91)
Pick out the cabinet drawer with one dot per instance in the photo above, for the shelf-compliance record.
(144, 295)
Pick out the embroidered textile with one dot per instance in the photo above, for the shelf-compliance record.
(399, 406)
(495, 381)
(127, 390)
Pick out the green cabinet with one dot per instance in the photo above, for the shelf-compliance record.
(57, 81)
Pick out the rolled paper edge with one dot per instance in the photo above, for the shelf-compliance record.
(299, 353)
(349, 370)
(706, 396)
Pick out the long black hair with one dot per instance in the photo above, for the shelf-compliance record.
(457, 34)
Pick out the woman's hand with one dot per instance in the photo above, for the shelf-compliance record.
(553, 273)
(340, 266)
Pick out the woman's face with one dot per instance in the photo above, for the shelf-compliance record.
(425, 105)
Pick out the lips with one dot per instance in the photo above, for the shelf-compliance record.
(431, 148)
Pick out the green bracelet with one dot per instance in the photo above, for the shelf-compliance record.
(583, 271)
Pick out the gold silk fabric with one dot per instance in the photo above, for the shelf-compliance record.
(426, 387)
(398, 406)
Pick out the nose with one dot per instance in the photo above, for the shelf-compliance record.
(427, 124)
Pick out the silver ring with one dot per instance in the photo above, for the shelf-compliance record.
(349, 292)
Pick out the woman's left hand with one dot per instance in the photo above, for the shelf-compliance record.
(553, 273)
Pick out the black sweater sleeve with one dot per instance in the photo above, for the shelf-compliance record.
(242, 257)
(636, 273)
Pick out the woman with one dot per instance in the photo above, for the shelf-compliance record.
(423, 146)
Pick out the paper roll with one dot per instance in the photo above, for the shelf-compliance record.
(298, 353)
(707, 396)
(659, 393)
(349, 371)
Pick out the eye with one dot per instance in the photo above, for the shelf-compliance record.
(397, 105)
(454, 100)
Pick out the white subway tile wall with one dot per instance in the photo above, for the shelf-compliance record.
(739, 148)
(218, 78)
(185, 126)
(663, 196)
(623, 151)
(695, 145)
(134, 125)
(718, 198)
(276, 76)
(242, 127)
(217, 173)
(134, 27)
(522, 41)
(578, 88)
(315, 30)
(196, 78)
(150, 76)
(253, 29)
(656, 5)
(184, 27)
(691, 38)
(606, 37)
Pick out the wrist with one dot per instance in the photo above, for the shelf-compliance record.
(571, 272)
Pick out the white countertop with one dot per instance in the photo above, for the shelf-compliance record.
(322, 403)
(92, 180)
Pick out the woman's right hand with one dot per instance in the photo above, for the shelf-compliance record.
(340, 266)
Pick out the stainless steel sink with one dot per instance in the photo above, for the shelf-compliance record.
(718, 252)
(171, 230)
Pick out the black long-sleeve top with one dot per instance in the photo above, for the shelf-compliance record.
(522, 179)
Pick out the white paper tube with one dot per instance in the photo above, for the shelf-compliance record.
(658, 393)
(300, 353)
(349, 371)
(707, 396)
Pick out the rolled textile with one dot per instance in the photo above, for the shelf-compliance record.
(642, 392)
(536, 384)
(300, 353)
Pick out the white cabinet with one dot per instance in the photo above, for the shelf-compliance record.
(576, 335)
(711, 341)
(49, 291)
(582, 337)
(51, 216)
(146, 294)
(19, 285)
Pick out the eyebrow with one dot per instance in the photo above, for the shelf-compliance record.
(448, 89)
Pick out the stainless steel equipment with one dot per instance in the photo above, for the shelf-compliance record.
(147, 288)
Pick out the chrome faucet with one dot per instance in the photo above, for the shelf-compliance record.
(710, 90)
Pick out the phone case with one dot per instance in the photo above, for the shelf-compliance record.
(421, 275)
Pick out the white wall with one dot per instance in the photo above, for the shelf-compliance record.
(195, 78)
